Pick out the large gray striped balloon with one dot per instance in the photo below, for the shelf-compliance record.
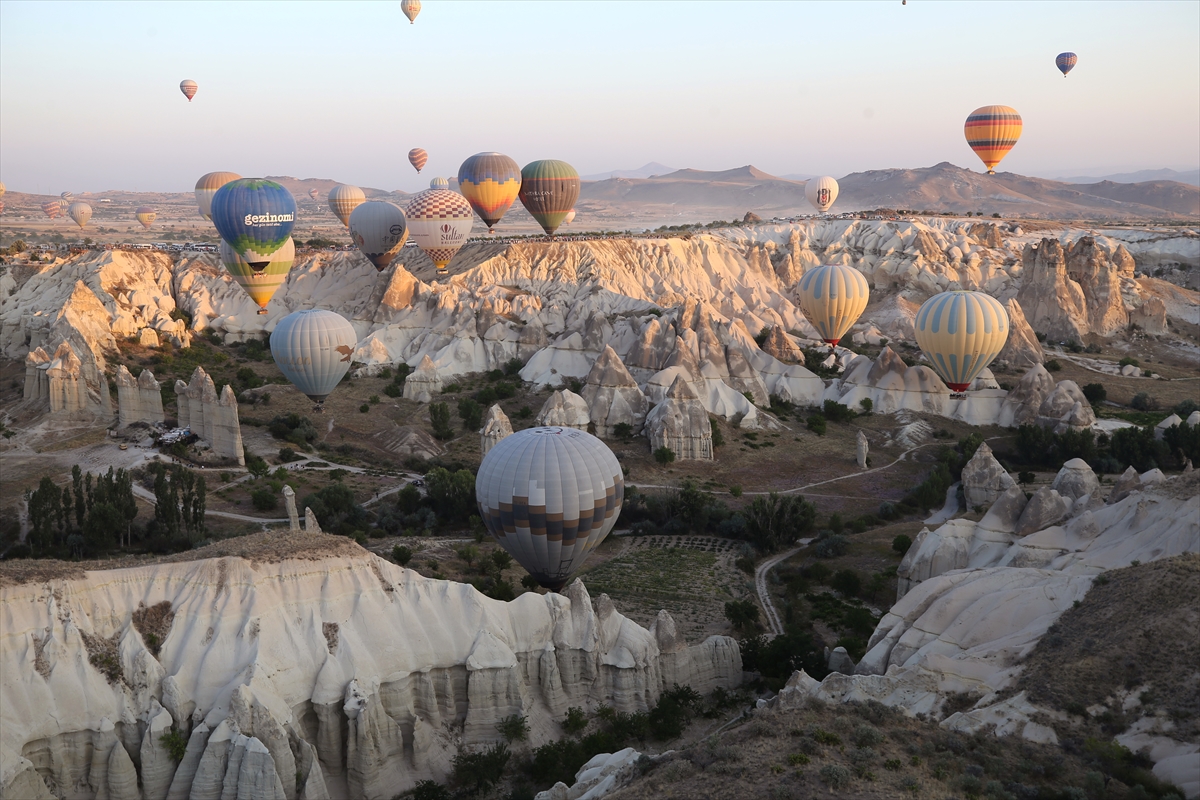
(550, 496)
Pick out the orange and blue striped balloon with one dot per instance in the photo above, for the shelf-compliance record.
(1066, 62)
(991, 132)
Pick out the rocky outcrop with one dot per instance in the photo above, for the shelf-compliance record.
(564, 409)
(289, 503)
(1047, 507)
(423, 384)
(148, 337)
(138, 400)
(612, 396)
(37, 385)
(1022, 350)
(1076, 480)
(1066, 408)
(602, 774)
(328, 669)
(1022, 404)
(65, 385)
(779, 345)
(1069, 292)
(984, 479)
(681, 424)
(496, 426)
(861, 449)
(212, 417)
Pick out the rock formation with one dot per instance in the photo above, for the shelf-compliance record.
(1076, 480)
(1161, 428)
(37, 385)
(1022, 350)
(212, 417)
(138, 400)
(602, 774)
(495, 427)
(1065, 408)
(779, 345)
(564, 409)
(331, 668)
(148, 337)
(862, 447)
(1070, 292)
(1047, 507)
(62, 381)
(612, 396)
(681, 424)
(983, 479)
(289, 502)
(424, 384)
(310, 521)
(840, 661)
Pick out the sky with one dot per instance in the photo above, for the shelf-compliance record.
(89, 97)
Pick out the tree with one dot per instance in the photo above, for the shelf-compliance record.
(471, 414)
(102, 527)
(901, 544)
(514, 728)
(1095, 393)
(402, 555)
(439, 416)
(408, 499)
(501, 560)
(847, 582)
(482, 770)
(776, 520)
(452, 494)
(166, 504)
(77, 487)
(257, 466)
(664, 455)
(743, 616)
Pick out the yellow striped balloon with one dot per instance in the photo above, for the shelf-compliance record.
(833, 297)
(344, 199)
(145, 215)
(260, 284)
(961, 333)
(207, 186)
(991, 132)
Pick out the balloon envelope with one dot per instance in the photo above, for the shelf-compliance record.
(550, 496)
(313, 350)
(379, 230)
(1065, 62)
(189, 89)
(66, 196)
(145, 215)
(344, 199)
(411, 8)
(833, 297)
(961, 333)
(52, 209)
(80, 212)
(440, 221)
(417, 157)
(2, 189)
(549, 190)
(255, 216)
(260, 283)
(569, 218)
(439, 183)
(207, 186)
(991, 132)
(314, 194)
(490, 182)
(821, 192)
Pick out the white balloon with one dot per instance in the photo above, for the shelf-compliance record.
(821, 192)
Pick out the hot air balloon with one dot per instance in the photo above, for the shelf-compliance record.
(821, 192)
(379, 230)
(314, 194)
(344, 199)
(80, 212)
(313, 350)
(991, 132)
(961, 332)
(2, 189)
(66, 196)
(832, 297)
(490, 182)
(189, 89)
(1065, 62)
(260, 283)
(63, 204)
(439, 183)
(440, 221)
(411, 8)
(145, 215)
(549, 190)
(53, 209)
(417, 157)
(207, 186)
(550, 496)
(255, 216)
(1, 206)
(569, 218)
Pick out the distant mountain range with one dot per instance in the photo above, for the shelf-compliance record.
(647, 171)
(1191, 176)
(943, 187)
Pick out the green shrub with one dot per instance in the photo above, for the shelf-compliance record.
(831, 546)
(392, 390)
(364, 408)
(622, 430)
(482, 770)
(1144, 402)
(816, 424)
(901, 544)
(866, 405)
(576, 720)
(835, 776)
(847, 582)
(1052, 365)
(402, 555)
(743, 615)
(664, 455)
(1095, 393)
(1129, 361)
(471, 414)
(373, 399)
(514, 728)
(837, 412)
(264, 499)
(512, 366)
(175, 743)
(439, 416)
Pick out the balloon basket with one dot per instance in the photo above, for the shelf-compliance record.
(958, 395)
(262, 312)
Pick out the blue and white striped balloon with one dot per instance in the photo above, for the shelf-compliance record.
(313, 349)
(961, 333)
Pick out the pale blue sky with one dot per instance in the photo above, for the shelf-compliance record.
(89, 96)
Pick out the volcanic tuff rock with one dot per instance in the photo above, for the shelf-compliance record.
(1022, 350)
(1065, 408)
(212, 417)
(861, 448)
(1076, 480)
(370, 681)
(613, 396)
(138, 400)
(423, 384)
(496, 426)
(680, 424)
(779, 344)
(564, 409)
(984, 479)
